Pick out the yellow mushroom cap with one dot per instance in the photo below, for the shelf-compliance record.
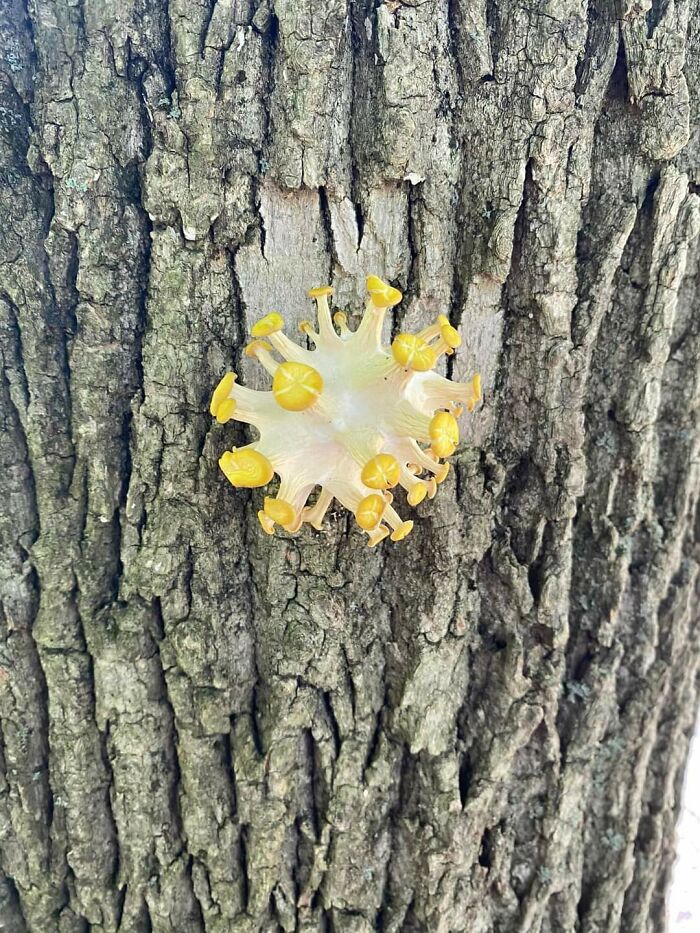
(442, 475)
(296, 386)
(444, 434)
(246, 468)
(382, 294)
(320, 291)
(413, 352)
(476, 390)
(377, 535)
(450, 335)
(225, 410)
(443, 447)
(256, 345)
(417, 493)
(221, 392)
(370, 511)
(279, 511)
(404, 529)
(267, 325)
(381, 472)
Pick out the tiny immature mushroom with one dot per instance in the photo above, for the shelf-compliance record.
(352, 416)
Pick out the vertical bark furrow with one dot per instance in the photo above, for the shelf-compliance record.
(642, 576)
(11, 915)
(25, 794)
(52, 459)
(25, 800)
(675, 505)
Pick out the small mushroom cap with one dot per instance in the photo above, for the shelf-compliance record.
(296, 386)
(369, 511)
(267, 325)
(417, 494)
(444, 434)
(382, 294)
(404, 529)
(412, 352)
(221, 392)
(279, 511)
(381, 472)
(225, 410)
(246, 468)
(256, 345)
(450, 335)
(320, 291)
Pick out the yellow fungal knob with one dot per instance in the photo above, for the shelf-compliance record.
(267, 325)
(413, 352)
(279, 511)
(370, 511)
(442, 475)
(417, 494)
(381, 472)
(444, 434)
(377, 535)
(404, 529)
(221, 392)
(476, 392)
(296, 386)
(225, 410)
(320, 291)
(383, 295)
(246, 468)
(448, 333)
(256, 345)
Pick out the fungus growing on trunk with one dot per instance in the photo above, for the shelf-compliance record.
(349, 416)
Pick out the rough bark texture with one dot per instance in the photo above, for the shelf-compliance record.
(481, 729)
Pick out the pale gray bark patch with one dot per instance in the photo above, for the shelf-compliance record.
(483, 728)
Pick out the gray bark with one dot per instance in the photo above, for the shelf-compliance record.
(483, 728)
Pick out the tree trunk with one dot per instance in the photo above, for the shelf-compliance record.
(482, 728)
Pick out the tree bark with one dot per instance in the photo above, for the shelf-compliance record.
(483, 728)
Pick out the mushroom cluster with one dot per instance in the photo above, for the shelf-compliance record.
(351, 416)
